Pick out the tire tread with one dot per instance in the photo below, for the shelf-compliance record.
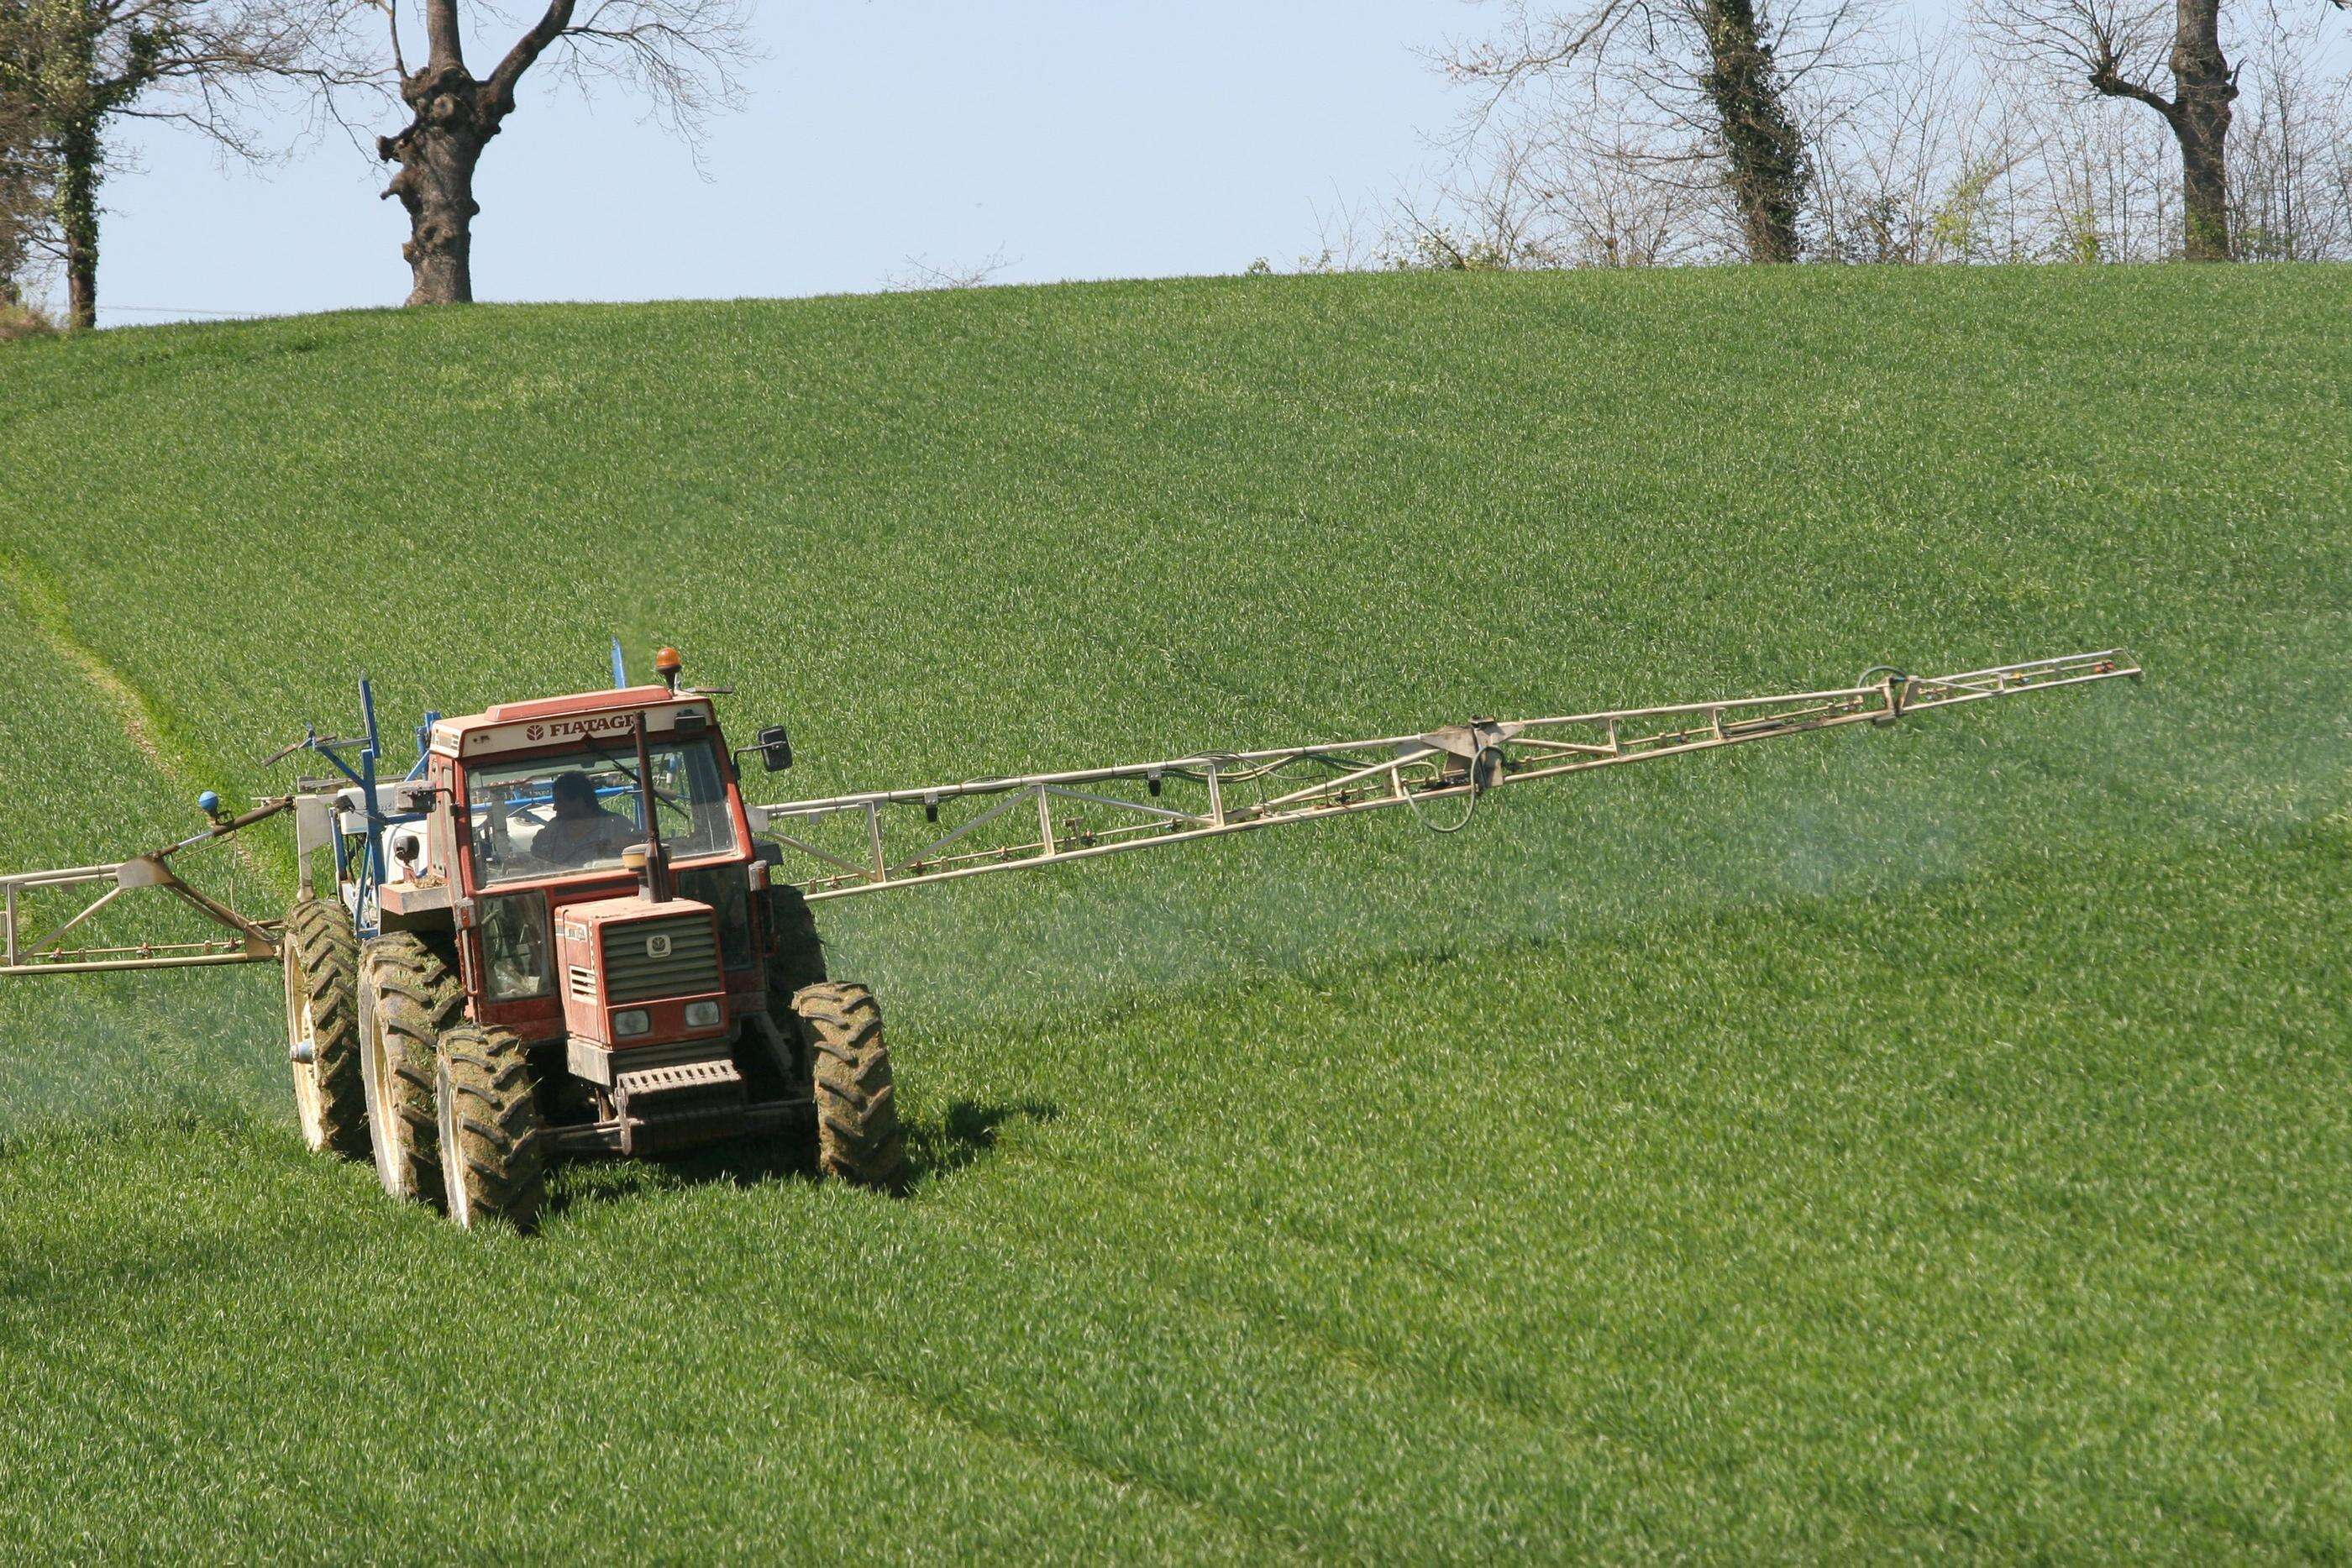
(500, 1154)
(417, 997)
(325, 964)
(858, 1134)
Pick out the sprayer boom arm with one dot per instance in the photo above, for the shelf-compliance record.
(1044, 819)
(244, 940)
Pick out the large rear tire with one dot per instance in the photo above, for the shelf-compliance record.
(320, 960)
(795, 956)
(493, 1160)
(795, 961)
(409, 994)
(858, 1137)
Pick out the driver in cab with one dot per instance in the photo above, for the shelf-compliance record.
(581, 831)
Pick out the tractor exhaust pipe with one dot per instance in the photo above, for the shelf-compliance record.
(637, 863)
(651, 862)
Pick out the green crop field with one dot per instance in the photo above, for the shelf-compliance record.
(1922, 1141)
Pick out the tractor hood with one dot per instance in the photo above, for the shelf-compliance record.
(638, 972)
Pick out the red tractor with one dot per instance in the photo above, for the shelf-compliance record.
(559, 937)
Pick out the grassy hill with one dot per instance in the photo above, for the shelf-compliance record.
(1931, 1140)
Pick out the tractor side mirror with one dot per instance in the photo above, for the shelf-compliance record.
(775, 748)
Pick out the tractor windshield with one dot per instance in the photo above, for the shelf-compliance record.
(555, 816)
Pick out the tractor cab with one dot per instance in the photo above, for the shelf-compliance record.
(599, 871)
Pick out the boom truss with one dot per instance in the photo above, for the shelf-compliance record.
(886, 839)
(30, 944)
(870, 843)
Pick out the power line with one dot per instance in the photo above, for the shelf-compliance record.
(179, 311)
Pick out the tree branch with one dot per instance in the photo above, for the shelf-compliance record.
(442, 39)
(392, 26)
(550, 27)
(2110, 83)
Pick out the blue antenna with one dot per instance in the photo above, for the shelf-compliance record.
(620, 669)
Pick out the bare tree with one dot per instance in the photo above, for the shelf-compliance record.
(2102, 186)
(923, 274)
(1545, 192)
(682, 54)
(2291, 159)
(1961, 155)
(1947, 158)
(1698, 92)
(1939, 146)
(1349, 235)
(73, 66)
(1616, 212)
(2119, 48)
(1887, 154)
(1493, 216)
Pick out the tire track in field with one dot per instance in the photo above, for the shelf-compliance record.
(45, 610)
(1273, 1537)
(971, 1230)
(832, 1359)
(207, 1266)
(1114, 1191)
(1533, 1419)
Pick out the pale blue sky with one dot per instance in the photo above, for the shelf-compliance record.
(1080, 141)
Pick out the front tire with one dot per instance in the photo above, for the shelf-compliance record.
(493, 1163)
(858, 1137)
(321, 962)
(409, 994)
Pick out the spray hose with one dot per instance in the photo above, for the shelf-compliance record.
(1469, 802)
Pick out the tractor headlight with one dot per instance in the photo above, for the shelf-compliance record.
(634, 1021)
(702, 1015)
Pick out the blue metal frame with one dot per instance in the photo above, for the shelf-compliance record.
(424, 739)
(361, 881)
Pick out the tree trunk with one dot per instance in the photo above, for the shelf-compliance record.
(1760, 141)
(77, 207)
(75, 113)
(2204, 195)
(2203, 85)
(437, 154)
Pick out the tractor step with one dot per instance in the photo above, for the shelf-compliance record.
(716, 1072)
(676, 1104)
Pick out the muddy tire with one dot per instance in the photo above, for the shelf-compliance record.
(858, 1137)
(409, 994)
(795, 956)
(320, 960)
(493, 1160)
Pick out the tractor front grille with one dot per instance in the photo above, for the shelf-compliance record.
(634, 973)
